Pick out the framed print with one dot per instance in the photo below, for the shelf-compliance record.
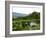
(24, 18)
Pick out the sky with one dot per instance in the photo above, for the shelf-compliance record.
(26, 9)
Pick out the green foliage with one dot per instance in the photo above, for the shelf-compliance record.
(19, 24)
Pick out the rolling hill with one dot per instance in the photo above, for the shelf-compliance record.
(14, 14)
